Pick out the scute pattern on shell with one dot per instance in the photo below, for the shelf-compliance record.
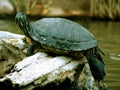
(62, 34)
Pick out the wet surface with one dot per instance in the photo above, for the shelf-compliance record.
(108, 35)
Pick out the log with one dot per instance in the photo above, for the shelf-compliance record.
(12, 46)
(8, 35)
(42, 71)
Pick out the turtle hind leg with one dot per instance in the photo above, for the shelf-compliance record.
(96, 51)
(96, 64)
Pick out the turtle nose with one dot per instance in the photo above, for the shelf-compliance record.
(19, 13)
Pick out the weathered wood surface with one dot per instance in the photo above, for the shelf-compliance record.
(41, 69)
(11, 38)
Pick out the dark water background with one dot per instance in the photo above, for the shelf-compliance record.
(108, 35)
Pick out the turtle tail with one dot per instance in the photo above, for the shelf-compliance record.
(96, 63)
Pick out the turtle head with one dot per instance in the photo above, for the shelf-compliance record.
(22, 22)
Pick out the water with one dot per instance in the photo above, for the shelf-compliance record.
(108, 35)
(7, 25)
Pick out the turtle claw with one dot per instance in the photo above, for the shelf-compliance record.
(101, 85)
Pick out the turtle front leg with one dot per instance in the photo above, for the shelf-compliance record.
(31, 49)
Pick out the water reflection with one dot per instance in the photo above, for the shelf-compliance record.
(108, 35)
(7, 25)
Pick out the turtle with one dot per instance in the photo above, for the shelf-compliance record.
(61, 36)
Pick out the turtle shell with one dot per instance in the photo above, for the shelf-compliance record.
(61, 34)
